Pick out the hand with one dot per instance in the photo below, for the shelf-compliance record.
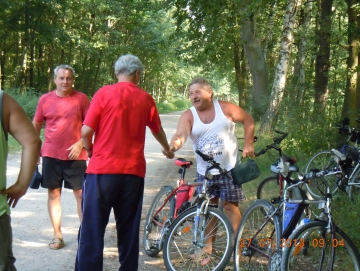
(169, 153)
(14, 193)
(89, 153)
(248, 151)
(75, 150)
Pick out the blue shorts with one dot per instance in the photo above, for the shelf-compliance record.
(223, 187)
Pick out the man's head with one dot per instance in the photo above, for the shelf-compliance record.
(64, 78)
(128, 65)
(200, 93)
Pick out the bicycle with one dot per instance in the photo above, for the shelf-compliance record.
(162, 212)
(271, 187)
(185, 242)
(265, 231)
(327, 246)
(348, 161)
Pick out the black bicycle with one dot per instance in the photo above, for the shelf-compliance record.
(346, 158)
(266, 239)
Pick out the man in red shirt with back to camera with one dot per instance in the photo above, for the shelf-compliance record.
(118, 115)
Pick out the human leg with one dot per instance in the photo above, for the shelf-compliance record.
(7, 258)
(54, 208)
(230, 195)
(232, 211)
(74, 172)
(127, 210)
(78, 197)
(96, 210)
(52, 180)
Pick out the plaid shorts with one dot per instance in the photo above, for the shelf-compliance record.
(223, 187)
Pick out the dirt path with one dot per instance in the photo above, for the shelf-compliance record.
(32, 229)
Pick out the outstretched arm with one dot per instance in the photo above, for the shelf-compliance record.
(161, 138)
(182, 132)
(20, 127)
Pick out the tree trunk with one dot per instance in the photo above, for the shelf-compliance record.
(269, 29)
(349, 107)
(256, 61)
(299, 73)
(322, 63)
(277, 92)
(257, 64)
(96, 76)
(240, 74)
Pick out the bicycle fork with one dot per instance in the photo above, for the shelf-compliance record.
(202, 209)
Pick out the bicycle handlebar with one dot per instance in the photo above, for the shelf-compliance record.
(277, 140)
(214, 164)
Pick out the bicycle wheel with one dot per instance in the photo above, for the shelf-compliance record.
(183, 252)
(323, 250)
(322, 161)
(257, 241)
(154, 229)
(269, 188)
(355, 179)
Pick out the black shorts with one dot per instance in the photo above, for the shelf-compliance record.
(56, 171)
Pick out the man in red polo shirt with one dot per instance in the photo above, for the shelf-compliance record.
(118, 115)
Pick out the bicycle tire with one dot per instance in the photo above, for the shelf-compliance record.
(269, 188)
(264, 236)
(321, 160)
(346, 256)
(182, 253)
(352, 188)
(153, 233)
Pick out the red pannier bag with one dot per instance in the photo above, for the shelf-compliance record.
(183, 195)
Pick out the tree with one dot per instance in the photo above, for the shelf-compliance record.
(277, 92)
(350, 100)
(322, 63)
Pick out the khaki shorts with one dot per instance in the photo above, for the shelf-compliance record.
(7, 258)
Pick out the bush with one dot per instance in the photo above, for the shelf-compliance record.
(28, 100)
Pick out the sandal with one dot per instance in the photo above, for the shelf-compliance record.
(56, 243)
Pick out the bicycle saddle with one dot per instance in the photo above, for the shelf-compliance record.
(182, 162)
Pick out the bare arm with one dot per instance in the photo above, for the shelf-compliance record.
(239, 115)
(161, 138)
(183, 131)
(20, 127)
(87, 134)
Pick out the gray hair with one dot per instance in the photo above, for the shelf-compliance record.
(201, 81)
(128, 64)
(66, 67)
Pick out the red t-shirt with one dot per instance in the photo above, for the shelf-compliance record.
(63, 118)
(119, 115)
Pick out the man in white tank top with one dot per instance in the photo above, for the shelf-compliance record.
(210, 124)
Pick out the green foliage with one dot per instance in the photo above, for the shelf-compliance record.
(27, 99)
(346, 215)
(175, 105)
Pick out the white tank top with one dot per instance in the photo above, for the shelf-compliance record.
(216, 138)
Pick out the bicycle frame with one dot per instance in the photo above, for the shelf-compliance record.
(324, 203)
